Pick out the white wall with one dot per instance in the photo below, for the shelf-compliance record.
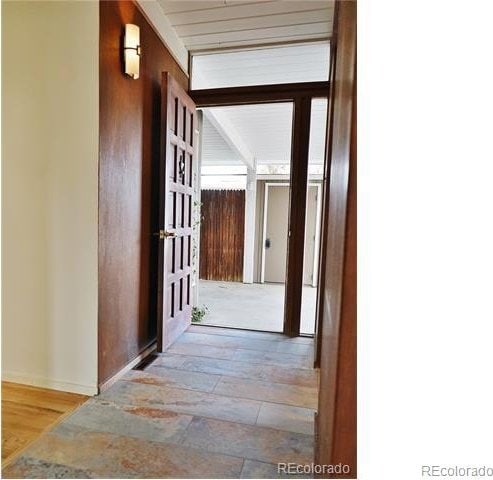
(50, 95)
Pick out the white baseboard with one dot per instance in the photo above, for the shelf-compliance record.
(127, 367)
(43, 382)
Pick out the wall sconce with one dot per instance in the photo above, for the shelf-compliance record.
(131, 50)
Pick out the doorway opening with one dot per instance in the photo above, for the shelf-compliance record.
(245, 191)
(262, 120)
(242, 273)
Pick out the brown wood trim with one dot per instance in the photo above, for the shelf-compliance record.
(325, 208)
(215, 97)
(297, 214)
(257, 46)
(336, 419)
(151, 348)
(166, 85)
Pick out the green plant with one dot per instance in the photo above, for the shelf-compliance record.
(198, 313)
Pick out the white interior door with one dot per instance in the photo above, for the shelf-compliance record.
(276, 232)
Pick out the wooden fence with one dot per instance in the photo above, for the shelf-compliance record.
(222, 235)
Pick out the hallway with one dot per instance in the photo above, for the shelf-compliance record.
(220, 403)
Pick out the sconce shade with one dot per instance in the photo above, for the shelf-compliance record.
(131, 50)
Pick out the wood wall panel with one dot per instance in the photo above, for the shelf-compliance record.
(129, 156)
(336, 418)
(222, 235)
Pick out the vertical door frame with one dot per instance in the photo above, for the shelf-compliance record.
(318, 230)
(335, 426)
(301, 95)
(297, 214)
(325, 202)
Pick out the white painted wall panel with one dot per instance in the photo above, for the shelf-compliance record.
(50, 112)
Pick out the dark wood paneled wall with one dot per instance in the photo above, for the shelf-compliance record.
(222, 235)
(129, 155)
(336, 419)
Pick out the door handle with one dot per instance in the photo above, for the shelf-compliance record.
(267, 243)
(163, 234)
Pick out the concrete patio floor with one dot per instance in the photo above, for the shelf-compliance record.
(255, 306)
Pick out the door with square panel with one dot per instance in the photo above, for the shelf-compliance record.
(176, 189)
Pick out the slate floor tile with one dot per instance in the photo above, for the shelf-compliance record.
(221, 404)
(268, 391)
(293, 376)
(72, 446)
(201, 350)
(135, 421)
(253, 442)
(184, 401)
(216, 366)
(280, 359)
(255, 469)
(227, 342)
(287, 417)
(169, 377)
(136, 458)
(295, 348)
(252, 371)
(27, 467)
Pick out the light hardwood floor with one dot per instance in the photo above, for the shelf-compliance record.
(28, 411)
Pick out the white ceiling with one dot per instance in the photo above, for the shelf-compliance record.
(281, 64)
(266, 132)
(291, 39)
(265, 129)
(209, 24)
(215, 150)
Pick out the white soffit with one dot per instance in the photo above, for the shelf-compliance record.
(265, 130)
(262, 66)
(156, 17)
(210, 24)
(215, 150)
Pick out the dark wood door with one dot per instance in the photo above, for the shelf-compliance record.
(178, 119)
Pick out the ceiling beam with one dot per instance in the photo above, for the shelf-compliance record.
(228, 132)
(287, 92)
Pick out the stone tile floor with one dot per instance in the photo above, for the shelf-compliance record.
(221, 403)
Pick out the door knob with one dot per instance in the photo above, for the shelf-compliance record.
(163, 234)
